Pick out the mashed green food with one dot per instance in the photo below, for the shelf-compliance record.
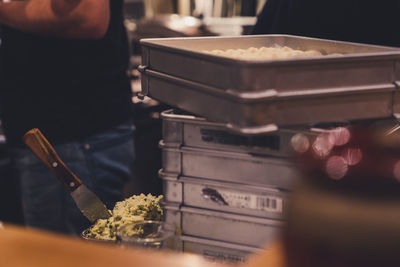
(133, 209)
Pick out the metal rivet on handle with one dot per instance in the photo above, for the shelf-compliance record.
(54, 164)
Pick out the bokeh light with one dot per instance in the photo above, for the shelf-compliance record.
(300, 143)
(339, 136)
(336, 167)
(396, 170)
(322, 145)
(352, 156)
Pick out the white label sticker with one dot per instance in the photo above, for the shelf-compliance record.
(252, 201)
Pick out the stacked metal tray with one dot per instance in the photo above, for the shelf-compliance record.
(211, 249)
(183, 129)
(255, 97)
(263, 202)
(217, 250)
(228, 170)
(228, 191)
(226, 227)
(229, 166)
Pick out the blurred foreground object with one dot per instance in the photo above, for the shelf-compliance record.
(42, 249)
(346, 212)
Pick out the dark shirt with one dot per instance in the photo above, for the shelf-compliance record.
(363, 21)
(69, 89)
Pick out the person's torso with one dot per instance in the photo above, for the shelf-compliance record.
(56, 82)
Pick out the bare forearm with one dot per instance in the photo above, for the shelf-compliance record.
(63, 18)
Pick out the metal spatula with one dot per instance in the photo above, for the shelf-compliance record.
(89, 204)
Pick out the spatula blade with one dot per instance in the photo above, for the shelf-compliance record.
(89, 204)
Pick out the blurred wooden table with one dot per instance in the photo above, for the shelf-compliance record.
(21, 247)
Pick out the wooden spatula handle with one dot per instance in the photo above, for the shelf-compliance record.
(41, 147)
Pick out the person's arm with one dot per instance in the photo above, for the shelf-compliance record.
(80, 19)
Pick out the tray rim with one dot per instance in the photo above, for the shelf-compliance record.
(266, 95)
(388, 52)
(178, 178)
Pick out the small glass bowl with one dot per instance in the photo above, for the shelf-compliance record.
(148, 234)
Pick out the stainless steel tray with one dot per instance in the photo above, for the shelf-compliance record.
(265, 111)
(229, 166)
(226, 227)
(265, 202)
(255, 96)
(217, 250)
(361, 64)
(194, 131)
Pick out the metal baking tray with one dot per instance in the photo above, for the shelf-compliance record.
(255, 96)
(265, 112)
(229, 166)
(265, 202)
(217, 250)
(224, 226)
(193, 131)
(360, 64)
